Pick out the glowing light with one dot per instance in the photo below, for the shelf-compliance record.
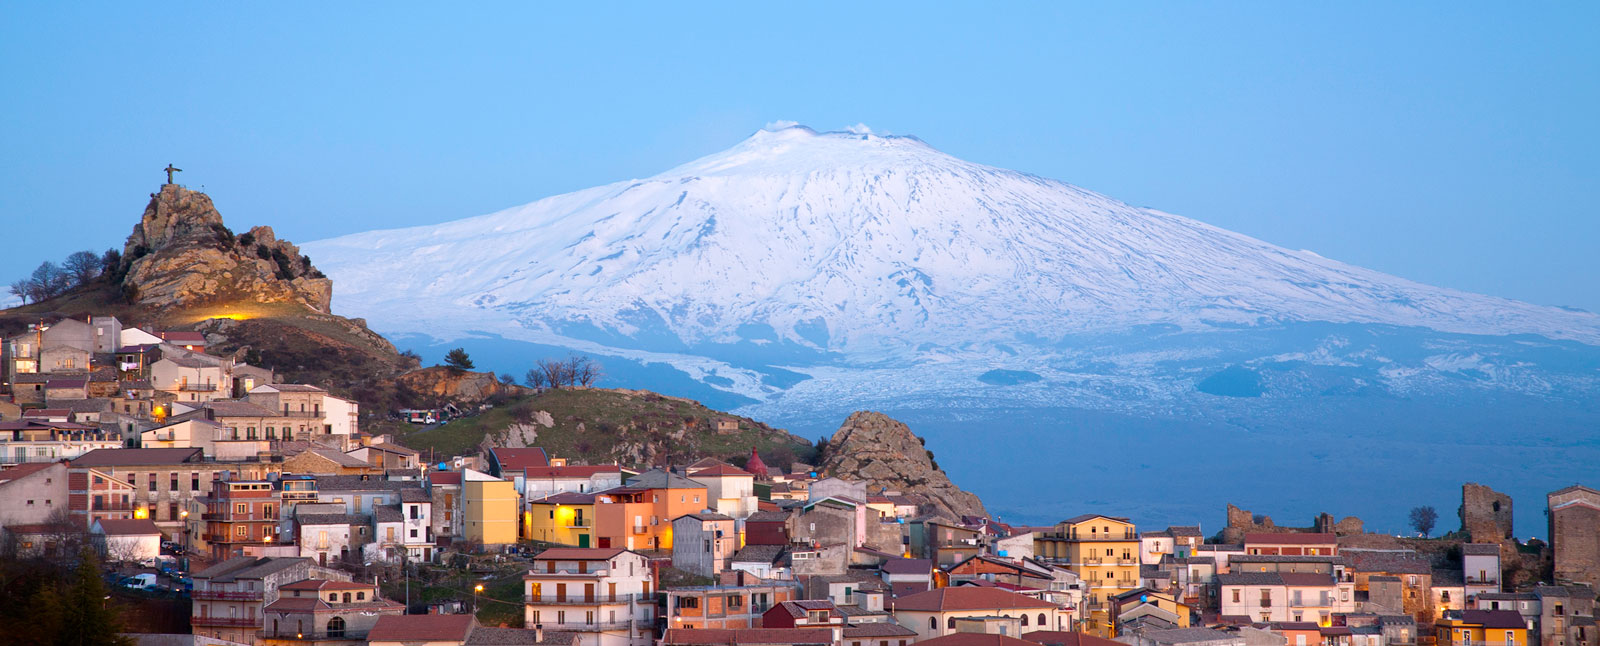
(478, 588)
(141, 513)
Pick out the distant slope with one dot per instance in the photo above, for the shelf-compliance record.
(602, 426)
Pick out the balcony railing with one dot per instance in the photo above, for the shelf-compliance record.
(357, 635)
(114, 506)
(226, 595)
(580, 523)
(228, 622)
(540, 572)
(581, 600)
(197, 388)
(1473, 580)
(601, 626)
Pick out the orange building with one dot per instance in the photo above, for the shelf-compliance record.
(638, 515)
(240, 513)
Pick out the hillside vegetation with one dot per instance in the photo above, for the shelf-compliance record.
(601, 426)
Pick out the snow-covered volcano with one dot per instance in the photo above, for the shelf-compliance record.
(802, 275)
(868, 247)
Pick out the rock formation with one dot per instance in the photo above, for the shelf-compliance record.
(873, 448)
(180, 254)
(455, 385)
(1242, 521)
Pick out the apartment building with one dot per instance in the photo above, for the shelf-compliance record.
(604, 595)
(638, 514)
(231, 597)
(239, 514)
(1285, 596)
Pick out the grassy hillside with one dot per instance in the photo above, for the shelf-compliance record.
(595, 426)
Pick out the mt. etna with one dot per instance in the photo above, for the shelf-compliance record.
(1055, 343)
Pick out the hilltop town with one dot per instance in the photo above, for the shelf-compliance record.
(233, 464)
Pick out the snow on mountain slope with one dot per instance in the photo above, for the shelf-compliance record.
(869, 248)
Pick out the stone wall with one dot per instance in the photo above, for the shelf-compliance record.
(1242, 521)
(1485, 514)
(1575, 534)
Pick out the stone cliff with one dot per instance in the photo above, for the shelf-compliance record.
(874, 448)
(180, 254)
(449, 384)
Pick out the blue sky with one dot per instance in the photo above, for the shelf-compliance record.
(1450, 143)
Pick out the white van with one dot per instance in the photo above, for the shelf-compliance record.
(140, 582)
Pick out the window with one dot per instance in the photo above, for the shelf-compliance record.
(950, 623)
(152, 482)
(194, 481)
(1236, 595)
(336, 627)
(415, 512)
(1108, 551)
(1024, 619)
(172, 483)
(933, 624)
(413, 533)
(241, 530)
(241, 508)
(1041, 621)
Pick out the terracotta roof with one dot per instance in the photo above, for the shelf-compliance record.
(445, 477)
(66, 383)
(704, 516)
(295, 388)
(1066, 638)
(1185, 636)
(1481, 549)
(726, 637)
(579, 553)
(975, 639)
(1270, 538)
(907, 566)
(420, 628)
(519, 459)
(486, 636)
(23, 471)
(767, 516)
(333, 519)
(565, 498)
(129, 527)
(136, 457)
(1250, 578)
(1306, 578)
(797, 609)
(1083, 517)
(967, 598)
(319, 584)
(720, 470)
(221, 408)
(877, 629)
(1493, 618)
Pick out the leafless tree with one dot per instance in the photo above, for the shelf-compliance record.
(22, 289)
(535, 378)
(120, 551)
(83, 266)
(554, 372)
(584, 371)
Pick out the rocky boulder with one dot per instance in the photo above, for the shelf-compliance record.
(180, 254)
(454, 385)
(874, 448)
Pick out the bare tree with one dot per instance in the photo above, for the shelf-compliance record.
(22, 289)
(535, 378)
(119, 551)
(554, 372)
(1423, 518)
(585, 371)
(82, 267)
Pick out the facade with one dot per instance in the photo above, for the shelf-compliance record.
(1574, 519)
(231, 597)
(1102, 550)
(239, 514)
(539, 482)
(638, 514)
(320, 612)
(725, 606)
(127, 541)
(935, 613)
(1291, 544)
(489, 507)
(165, 485)
(1480, 565)
(34, 440)
(1481, 628)
(30, 493)
(561, 518)
(730, 491)
(1285, 596)
(603, 595)
(703, 543)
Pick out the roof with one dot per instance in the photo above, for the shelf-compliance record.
(1389, 562)
(1493, 618)
(797, 609)
(386, 448)
(658, 479)
(445, 477)
(767, 516)
(1250, 578)
(131, 457)
(967, 598)
(248, 567)
(1507, 596)
(1306, 578)
(1085, 517)
(66, 383)
(23, 470)
(519, 459)
(1066, 638)
(337, 457)
(565, 498)
(486, 636)
(222, 408)
(579, 553)
(707, 636)
(295, 388)
(877, 629)
(975, 639)
(720, 470)
(907, 566)
(129, 527)
(387, 514)
(360, 483)
(758, 554)
(414, 494)
(1184, 635)
(319, 584)
(182, 338)
(409, 628)
(1277, 538)
(332, 519)
(704, 516)
(1481, 549)
(1184, 530)
(570, 471)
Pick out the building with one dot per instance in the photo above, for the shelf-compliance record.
(1481, 628)
(506, 463)
(239, 514)
(1102, 550)
(1177, 542)
(136, 540)
(604, 595)
(457, 630)
(34, 439)
(539, 482)
(1574, 524)
(230, 598)
(638, 514)
(165, 485)
(445, 489)
(1293, 597)
(806, 614)
(489, 509)
(934, 613)
(703, 543)
(1480, 565)
(319, 612)
(328, 538)
(730, 491)
(748, 637)
(30, 493)
(740, 604)
(561, 518)
(1291, 544)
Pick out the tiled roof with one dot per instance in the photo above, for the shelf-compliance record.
(658, 479)
(1083, 517)
(414, 494)
(333, 519)
(486, 636)
(23, 471)
(519, 459)
(758, 554)
(1250, 578)
(798, 609)
(1184, 530)
(360, 483)
(1184, 636)
(579, 553)
(740, 637)
(877, 629)
(221, 408)
(767, 516)
(320, 584)
(1481, 549)
(1493, 618)
(421, 628)
(1306, 578)
(445, 477)
(129, 527)
(296, 388)
(570, 471)
(1448, 578)
(975, 639)
(247, 567)
(907, 566)
(565, 498)
(136, 457)
(387, 514)
(720, 470)
(1066, 638)
(967, 598)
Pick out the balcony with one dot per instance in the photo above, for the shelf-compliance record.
(1092, 560)
(197, 388)
(596, 600)
(1127, 583)
(319, 635)
(539, 573)
(1127, 561)
(640, 529)
(1474, 580)
(601, 626)
(580, 523)
(118, 506)
(226, 622)
(225, 595)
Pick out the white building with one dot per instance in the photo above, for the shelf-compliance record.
(604, 595)
(135, 540)
(730, 491)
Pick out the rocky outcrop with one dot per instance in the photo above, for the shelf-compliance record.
(874, 448)
(180, 254)
(456, 385)
(1485, 514)
(1242, 521)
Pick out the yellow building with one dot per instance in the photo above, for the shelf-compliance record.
(1482, 628)
(564, 518)
(489, 506)
(1103, 551)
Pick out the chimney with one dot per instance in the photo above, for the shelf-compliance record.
(538, 633)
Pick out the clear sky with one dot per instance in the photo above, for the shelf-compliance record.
(1451, 143)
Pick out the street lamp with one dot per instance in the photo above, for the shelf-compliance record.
(476, 590)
